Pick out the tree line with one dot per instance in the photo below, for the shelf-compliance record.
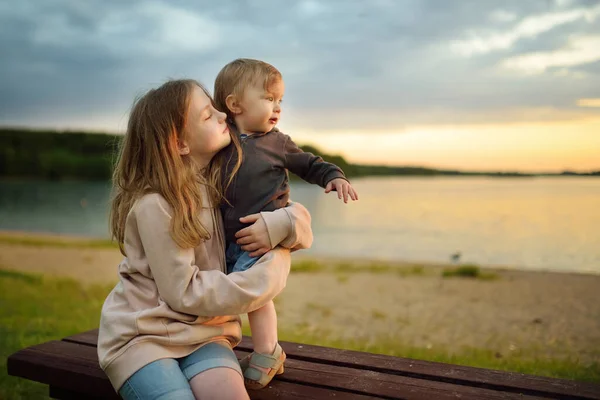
(55, 155)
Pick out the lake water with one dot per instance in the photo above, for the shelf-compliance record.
(550, 223)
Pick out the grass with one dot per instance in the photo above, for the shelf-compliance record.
(468, 271)
(36, 309)
(374, 268)
(415, 270)
(343, 268)
(307, 266)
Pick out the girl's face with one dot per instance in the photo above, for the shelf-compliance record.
(206, 131)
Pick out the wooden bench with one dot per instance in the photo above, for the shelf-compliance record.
(70, 368)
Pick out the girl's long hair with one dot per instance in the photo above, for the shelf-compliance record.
(149, 162)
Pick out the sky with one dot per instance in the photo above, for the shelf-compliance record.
(469, 84)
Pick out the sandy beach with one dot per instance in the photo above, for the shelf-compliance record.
(543, 314)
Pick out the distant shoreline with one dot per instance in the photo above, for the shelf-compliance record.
(58, 155)
(298, 180)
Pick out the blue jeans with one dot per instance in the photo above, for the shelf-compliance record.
(169, 378)
(237, 259)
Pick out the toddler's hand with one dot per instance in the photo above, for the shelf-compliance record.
(254, 238)
(343, 188)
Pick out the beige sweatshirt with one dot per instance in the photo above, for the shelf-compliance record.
(171, 301)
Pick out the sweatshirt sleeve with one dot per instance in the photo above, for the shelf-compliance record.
(289, 227)
(187, 289)
(311, 168)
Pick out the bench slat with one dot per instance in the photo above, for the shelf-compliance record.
(462, 375)
(64, 365)
(433, 371)
(364, 381)
(72, 369)
(385, 385)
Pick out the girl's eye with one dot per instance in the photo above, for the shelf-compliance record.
(207, 118)
(270, 98)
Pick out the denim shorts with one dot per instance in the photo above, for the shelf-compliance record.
(169, 378)
(237, 259)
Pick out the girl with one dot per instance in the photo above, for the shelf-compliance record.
(168, 327)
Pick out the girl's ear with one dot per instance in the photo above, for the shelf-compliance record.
(183, 148)
(233, 104)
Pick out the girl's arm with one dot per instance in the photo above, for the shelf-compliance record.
(188, 289)
(288, 227)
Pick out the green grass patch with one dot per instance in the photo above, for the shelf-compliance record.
(307, 266)
(19, 276)
(468, 271)
(415, 270)
(58, 242)
(36, 309)
(375, 268)
(379, 268)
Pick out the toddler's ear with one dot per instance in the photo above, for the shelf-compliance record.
(233, 104)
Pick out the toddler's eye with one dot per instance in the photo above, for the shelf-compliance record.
(270, 98)
(209, 117)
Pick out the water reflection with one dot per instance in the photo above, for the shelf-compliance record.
(551, 223)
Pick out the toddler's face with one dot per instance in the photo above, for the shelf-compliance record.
(261, 108)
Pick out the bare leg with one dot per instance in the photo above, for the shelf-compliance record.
(263, 324)
(217, 384)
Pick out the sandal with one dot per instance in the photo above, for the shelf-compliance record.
(257, 379)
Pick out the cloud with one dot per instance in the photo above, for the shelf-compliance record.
(588, 103)
(346, 62)
(486, 42)
(152, 29)
(503, 16)
(581, 50)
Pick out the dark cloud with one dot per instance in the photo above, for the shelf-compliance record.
(65, 59)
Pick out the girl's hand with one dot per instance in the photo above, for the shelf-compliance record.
(343, 188)
(254, 238)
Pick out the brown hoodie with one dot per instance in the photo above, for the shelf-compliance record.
(261, 183)
(171, 301)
